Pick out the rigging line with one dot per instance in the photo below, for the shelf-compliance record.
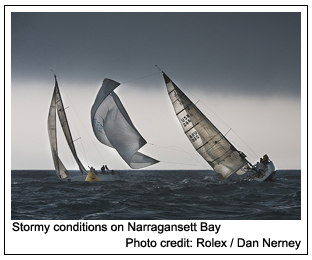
(169, 147)
(83, 151)
(198, 100)
(239, 145)
(228, 131)
(198, 165)
(246, 144)
(232, 131)
(180, 150)
(219, 118)
(76, 139)
(140, 78)
(159, 68)
(77, 129)
(87, 134)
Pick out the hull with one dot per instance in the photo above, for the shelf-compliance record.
(102, 177)
(268, 175)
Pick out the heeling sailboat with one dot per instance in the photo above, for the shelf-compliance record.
(210, 143)
(57, 105)
(61, 171)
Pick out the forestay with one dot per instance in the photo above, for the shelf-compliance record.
(208, 141)
(113, 127)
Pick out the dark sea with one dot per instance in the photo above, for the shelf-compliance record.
(155, 195)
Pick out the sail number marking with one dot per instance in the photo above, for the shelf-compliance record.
(175, 94)
(97, 125)
(185, 120)
(193, 136)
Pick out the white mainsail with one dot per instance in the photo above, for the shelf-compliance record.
(57, 105)
(113, 127)
(207, 140)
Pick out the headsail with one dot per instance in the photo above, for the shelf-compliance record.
(112, 126)
(208, 141)
(60, 169)
(57, 104)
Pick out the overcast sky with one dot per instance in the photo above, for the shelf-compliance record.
(244, 68)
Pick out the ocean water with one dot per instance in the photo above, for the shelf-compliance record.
(155, 195)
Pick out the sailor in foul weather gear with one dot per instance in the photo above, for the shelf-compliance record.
(103, 170)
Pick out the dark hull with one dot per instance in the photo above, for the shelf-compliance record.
(271, 177)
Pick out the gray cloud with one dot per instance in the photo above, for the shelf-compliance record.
(237, 52)
(228, 61)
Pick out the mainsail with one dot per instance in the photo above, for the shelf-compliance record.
(208, 141)
(57, 104)
(112, 126)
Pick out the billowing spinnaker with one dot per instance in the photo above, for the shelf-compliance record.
(208, 141)
(112, 126)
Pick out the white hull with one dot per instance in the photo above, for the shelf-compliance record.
(269, 173)
(102, 177)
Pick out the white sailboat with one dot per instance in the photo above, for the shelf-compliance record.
(111, 125)
(57, 106)
(210, 143)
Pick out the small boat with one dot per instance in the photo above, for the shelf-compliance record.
(94, 176)
(111, 125)
(210, 143)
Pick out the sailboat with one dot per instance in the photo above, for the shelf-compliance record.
(211, 144)
(57, 106)
(112, 126)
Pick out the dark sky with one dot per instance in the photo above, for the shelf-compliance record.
(245, 67)
(237, 52)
